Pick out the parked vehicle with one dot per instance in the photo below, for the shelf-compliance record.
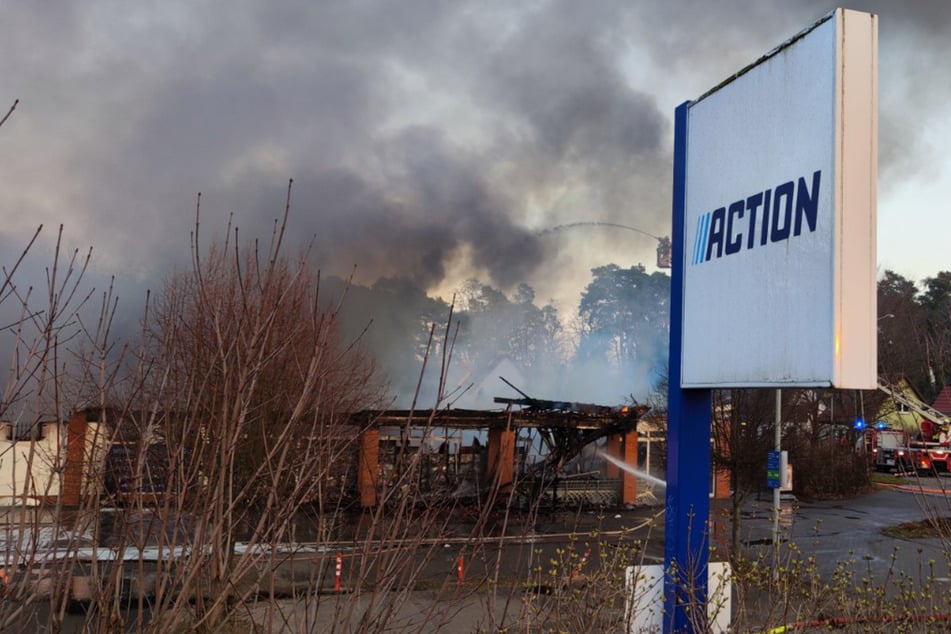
(939, 455)
(928, 447)
(892, 451)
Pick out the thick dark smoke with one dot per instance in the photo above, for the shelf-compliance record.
(421, 138)
(565, 128)
(417, 217)
(428, 141)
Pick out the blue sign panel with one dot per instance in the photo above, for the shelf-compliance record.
(773, 469)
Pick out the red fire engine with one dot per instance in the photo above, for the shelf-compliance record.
(926, 451)
(892, 450)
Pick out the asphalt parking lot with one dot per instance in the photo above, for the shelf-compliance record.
(838, 531)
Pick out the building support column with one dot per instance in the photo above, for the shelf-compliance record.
(500, 467)
(722, 476)
(368, 470)
(73, 471)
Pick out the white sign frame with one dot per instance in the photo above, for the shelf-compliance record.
(790, 301)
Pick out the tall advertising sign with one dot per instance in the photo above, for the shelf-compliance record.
(779, 234)
(773, 276)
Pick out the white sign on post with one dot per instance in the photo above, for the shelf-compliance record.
(779, 240)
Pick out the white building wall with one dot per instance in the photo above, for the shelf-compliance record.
(30, 466)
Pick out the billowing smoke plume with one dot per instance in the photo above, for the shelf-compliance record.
(430, 142)
(427, 140)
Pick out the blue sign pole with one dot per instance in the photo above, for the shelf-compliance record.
(688, 440)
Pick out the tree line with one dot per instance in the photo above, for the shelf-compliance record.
(914, 330)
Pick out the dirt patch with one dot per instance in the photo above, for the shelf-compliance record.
(930, 527)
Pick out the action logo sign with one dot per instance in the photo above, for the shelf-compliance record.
(779, 227)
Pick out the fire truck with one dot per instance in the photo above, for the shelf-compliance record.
(927, 451)
(891, 450)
